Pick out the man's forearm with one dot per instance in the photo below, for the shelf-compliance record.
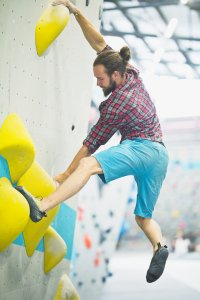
(83, 152)
(92, 35)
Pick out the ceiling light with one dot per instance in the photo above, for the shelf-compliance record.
(184, 2)
(170, 28)
(193, 4)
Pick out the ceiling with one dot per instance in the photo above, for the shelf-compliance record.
(164, 36)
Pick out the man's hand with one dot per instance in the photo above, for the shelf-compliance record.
(60, 178)
(92, 35)
(72, 8)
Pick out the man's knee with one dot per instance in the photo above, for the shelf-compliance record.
(91, 165)
(141, 221)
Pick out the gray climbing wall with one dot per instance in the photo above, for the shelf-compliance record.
(47, 92)
(51, 94)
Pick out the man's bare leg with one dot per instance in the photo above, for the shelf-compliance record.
(153, 232)
(73, 184)
(151, 229)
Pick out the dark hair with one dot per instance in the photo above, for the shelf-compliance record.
(113, 60)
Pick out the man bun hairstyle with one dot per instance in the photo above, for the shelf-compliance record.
(125, 54)
(114, 60)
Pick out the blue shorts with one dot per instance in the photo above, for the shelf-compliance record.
(146, 160)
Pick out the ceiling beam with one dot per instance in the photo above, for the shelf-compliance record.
(136, 32)
(143, 35)
(141, 4)
(184, 53)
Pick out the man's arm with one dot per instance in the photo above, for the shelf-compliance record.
(92, 35)
(83, 152)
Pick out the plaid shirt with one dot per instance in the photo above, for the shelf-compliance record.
(128, 109)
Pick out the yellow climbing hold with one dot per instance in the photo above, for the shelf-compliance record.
(37, 181)
(39, 184)
(16, 146)
(49, 26)
(34, 232)
(66, 290)
(54, 249)
(14, 213)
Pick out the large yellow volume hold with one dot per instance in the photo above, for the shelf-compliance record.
(37, 182)
(16, 146)
(49, 26)
(14, 213)
(66, 290)
(54, 249)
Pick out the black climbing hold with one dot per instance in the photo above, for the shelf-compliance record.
(80, 283)
(108, 230)
(107, 261)
(103, 279)
(111, 213)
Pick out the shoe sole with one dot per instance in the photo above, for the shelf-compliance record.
(35, 214)
(161, 260)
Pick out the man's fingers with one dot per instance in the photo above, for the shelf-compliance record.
(56, 183)
(54, 3)
(57, 177)
(60, 178)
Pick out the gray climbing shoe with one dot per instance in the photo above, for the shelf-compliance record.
(157, 264)
(35, 213)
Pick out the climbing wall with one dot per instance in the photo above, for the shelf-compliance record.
(50, 94)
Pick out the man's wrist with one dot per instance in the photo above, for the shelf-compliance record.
(72, 8)
(75, 12)
(66, 173)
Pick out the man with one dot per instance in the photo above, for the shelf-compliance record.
(141, 152)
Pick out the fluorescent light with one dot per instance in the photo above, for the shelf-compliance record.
(170, 28)
(158, 54)
(184, 2)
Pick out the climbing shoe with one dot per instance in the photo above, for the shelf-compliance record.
(157, 264)
(35, 213)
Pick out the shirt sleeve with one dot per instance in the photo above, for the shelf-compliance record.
(100, 133)
(104, 49)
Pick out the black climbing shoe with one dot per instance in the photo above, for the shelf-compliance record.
(157, 264)
(35, 213)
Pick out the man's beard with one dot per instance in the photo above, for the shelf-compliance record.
(110, 88)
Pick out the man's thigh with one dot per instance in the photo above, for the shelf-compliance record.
(116, 162)
(92, 165)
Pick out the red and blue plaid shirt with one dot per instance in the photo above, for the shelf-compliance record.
(128, 109)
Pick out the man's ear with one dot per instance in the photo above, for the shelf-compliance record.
(115, 75)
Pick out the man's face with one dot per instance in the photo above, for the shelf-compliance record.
(104, 81)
